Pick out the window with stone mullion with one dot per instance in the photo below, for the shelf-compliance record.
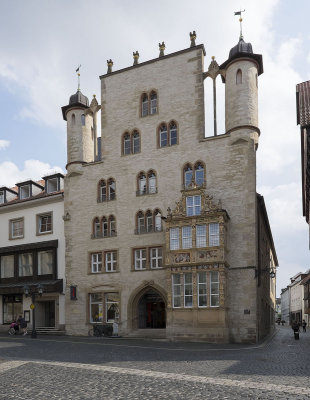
(140, 259)
(186, 237)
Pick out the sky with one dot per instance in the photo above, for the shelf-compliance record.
(43, 42)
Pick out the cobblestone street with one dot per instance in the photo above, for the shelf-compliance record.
(88, 368)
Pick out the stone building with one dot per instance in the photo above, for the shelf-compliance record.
(303, 119)
(165, 233)
(32, 253)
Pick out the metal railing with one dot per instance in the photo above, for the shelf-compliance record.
(100, 235)
(150, 229)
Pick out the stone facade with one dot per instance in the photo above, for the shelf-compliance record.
(225, 304)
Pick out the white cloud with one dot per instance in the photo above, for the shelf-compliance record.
(4, 144)
(10, 174)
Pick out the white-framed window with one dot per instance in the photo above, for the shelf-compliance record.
(7, 266)
(1, 196)
(188, 175)
(24, 192)
(153, 107)
(127, 143)
(149, 221)
(112, 189)
(52, 185)
(199, 174)
(176, 290)
(135, 142)
(186, 237)
(188, 289)
(25, 264)
(173, 133)
(141, 222)
(102, 191)
(151, 182)
(214, 235)
(45, 262)
(111, 307)
(45, 223)
(96, 307)
(110, 261)
(17, 228)
(193, 205)
(214, 289)
(97, 228)
(158, 226)
(140, 259)
(96, 263)
(202, 288)
(142, 183)
(201, 236)
(174, 238)
(144, 105)
(163, 136)
(156, 257)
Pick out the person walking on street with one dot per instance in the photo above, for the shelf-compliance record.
(304, 324)
(23, 324)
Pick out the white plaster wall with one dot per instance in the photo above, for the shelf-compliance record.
(29, 210)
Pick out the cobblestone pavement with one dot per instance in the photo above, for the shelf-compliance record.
(91, 368)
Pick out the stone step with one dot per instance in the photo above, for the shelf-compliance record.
(49, 331)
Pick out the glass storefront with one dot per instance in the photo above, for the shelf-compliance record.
(12, 307)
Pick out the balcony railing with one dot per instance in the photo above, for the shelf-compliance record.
(100, 235)
(193, 185)
(153, 229)
(102, 199)
(145, 191)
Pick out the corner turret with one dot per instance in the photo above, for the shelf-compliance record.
(240, 75)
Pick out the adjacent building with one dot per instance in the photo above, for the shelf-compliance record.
(165, 232)
(32, 252)
(303, 119)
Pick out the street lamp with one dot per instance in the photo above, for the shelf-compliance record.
(33, 291)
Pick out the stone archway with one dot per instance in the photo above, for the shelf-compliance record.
(151, 311)
(147, 308)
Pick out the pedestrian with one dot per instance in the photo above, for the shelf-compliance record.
(23, 324)
(295, 327)
(304, 324)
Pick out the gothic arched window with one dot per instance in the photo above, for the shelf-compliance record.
(73, 119)
(144, 105)
(199, 174)
(104, 224)
(142, 183)
(151, 182)
(111, 189)
(173, 133)
(96, 227)
(112, 225)
(102, 191)
(153, 103)
(83, 119)
(135, 142)
(126, 144)
(140, 222)
(163, 135)
(188, 175)
(157, 218)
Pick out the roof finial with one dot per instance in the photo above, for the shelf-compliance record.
(193, 37)
(240, 20)
(78, 75)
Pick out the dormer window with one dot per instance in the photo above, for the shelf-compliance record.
(193, 205)
(52, 185)
(24, 192)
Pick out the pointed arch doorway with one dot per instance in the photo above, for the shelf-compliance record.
(151, 310)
